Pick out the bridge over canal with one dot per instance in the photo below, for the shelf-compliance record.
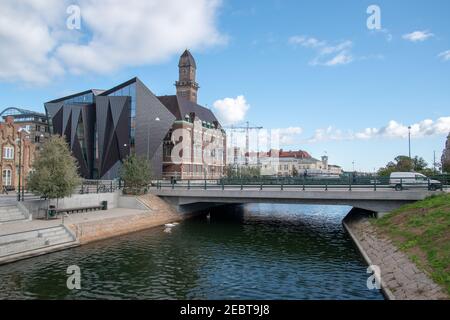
(378, 199)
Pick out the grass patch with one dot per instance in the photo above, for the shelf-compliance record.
(422, 231)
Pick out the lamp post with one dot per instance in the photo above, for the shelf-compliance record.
(409, 141)
(20, 142)
(20, 164)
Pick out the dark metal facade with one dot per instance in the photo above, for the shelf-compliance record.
(104, 127)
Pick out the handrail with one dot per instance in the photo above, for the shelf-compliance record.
(220, 185)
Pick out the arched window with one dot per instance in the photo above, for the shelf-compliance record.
(7, 177)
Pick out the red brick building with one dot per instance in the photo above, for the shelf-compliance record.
(15, 148)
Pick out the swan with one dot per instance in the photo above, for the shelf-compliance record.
(170, 225)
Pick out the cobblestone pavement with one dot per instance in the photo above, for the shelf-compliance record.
(398, 274)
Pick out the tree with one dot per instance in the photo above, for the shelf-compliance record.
(242, 172)
(136, 174)
(294, 172)
(404, 164)
(419, 164)
(446, 166)
(55, 170)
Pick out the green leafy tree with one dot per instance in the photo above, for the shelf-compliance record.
(446, 166)
(136, 174)
(405, 164)
(242, 172)
(419, 164)
(55, 170)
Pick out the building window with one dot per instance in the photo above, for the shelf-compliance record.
(8, 153)
(7, 177)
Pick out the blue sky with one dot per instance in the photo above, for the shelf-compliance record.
(311, 66)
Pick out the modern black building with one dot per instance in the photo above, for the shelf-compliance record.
(103, 127)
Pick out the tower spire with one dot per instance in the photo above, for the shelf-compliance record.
(186, 86)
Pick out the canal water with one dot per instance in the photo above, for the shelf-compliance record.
(259, 251)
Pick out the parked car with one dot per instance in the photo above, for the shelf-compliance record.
(406, 180)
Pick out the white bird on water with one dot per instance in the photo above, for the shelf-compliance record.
(169, 226)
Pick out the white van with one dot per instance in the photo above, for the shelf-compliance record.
(405, 180)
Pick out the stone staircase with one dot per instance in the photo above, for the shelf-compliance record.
(157, 205)
(29, 242)
(11, 214)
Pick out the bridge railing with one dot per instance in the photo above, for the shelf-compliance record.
(369, 183)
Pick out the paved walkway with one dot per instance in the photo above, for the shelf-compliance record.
(400, 277)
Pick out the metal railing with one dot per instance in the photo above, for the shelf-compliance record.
(99, 186)
(299, 185)
(86, 187)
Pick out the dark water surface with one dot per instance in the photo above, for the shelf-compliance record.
(244, 252)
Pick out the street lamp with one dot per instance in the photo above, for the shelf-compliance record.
(19, 142)
(409, 141)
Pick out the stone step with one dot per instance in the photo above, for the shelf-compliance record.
(5, 214)
(28, 245)
(33, 240)
(10, 213)
(51, 232)
(58, 239)
(18, 236)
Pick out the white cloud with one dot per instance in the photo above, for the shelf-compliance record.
(231, 110)
(392, 130)
(327, 55)
(306, 42)
(342, 58)
(36, 45)
(26, 41)
(418, 36)
(287, 136)
(445, 56)
(274, 138)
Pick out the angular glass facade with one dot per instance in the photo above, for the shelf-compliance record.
(129, 91)
(87, 98)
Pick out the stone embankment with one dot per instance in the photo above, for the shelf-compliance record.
(400, 277)
(157, 213)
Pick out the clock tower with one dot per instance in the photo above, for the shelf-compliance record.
(186, 86)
